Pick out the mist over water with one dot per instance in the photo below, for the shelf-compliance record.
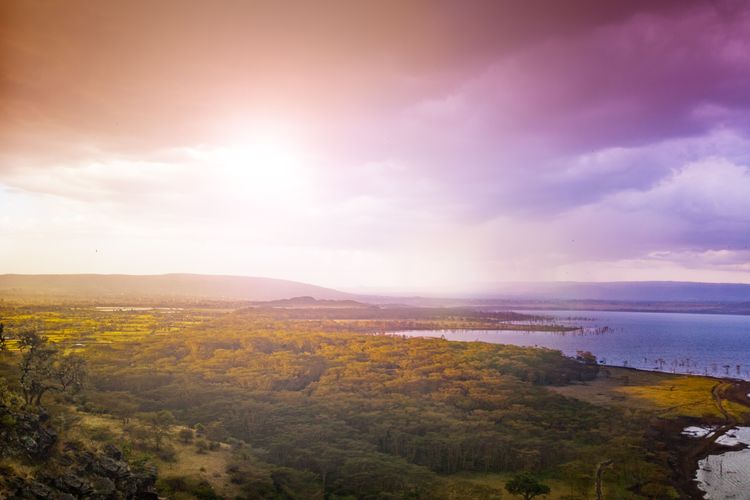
(701, 344)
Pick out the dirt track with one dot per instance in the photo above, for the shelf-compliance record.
(727, 390)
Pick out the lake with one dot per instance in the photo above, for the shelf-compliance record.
(703, 344)
(724, 475)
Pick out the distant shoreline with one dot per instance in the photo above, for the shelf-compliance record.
(415, 331)
(662, 372)
(589, 307)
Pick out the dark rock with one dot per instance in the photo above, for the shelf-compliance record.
(40, 490)
(106, 466)
(72, 483)
(37, 441)
(73, 446)
(77, 472)
(86, 459)
(66, 460)
(147, 495)
(29, 444)
(103, 486)
(113, 452)
(46, 439)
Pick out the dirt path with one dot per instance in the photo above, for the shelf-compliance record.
(717, 393)
(704, 445)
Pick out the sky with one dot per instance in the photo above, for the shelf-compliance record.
(377, 145)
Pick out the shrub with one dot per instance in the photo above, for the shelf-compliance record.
(201, 446)
(186, 435)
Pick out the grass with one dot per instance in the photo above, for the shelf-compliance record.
(666, 394)
(559, 489)
(210, 466)
(71, 326)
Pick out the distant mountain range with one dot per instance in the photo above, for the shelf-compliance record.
(625, 291)
(167, 286)
(618, 295)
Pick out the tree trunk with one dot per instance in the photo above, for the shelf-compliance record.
(599, 473)
(39, 395)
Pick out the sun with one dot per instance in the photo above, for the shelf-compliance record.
(260, 166)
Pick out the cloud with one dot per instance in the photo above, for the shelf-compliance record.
(358, 143)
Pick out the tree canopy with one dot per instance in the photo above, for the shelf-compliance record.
(45, 368)
(527, 486)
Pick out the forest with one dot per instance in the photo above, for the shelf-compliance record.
(314, 402)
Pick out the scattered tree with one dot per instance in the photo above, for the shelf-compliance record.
(589, 362)
(201, 446)
(586, 357)
(527, 486)
(44, 368)
(186, 435)
(158, 424)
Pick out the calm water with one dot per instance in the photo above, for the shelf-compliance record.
(727, 475)
(724, 475)
(704, 344)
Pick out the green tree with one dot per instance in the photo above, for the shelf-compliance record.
(44, 368)
(586, 357)
(527, 486)
(158, 424)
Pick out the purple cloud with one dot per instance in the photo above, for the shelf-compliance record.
(532, 138)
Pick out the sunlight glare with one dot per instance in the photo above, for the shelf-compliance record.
(262, 167)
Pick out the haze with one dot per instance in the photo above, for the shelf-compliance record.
(377, 145)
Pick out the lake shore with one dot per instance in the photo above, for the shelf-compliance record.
(677, 401)
(696, 344)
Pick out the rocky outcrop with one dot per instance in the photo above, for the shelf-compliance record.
(70, 471)
(25, 433)
(79, 473)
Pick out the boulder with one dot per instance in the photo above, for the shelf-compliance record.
(112, 452)
(73, 483)
(40, 490)
(103, 486)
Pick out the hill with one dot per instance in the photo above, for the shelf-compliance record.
(623, 291)
(173, 286)
(721, 298)
(313, 303)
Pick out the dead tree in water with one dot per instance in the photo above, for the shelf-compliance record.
(599, 473)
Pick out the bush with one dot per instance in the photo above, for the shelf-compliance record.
(100, 434)
(201, 446)
(166, 453)
(196, 487)
(186, 435)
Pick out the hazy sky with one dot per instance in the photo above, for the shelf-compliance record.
(395, 145)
